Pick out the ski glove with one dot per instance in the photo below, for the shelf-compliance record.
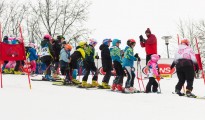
(137, 56)
(141, 38)
(173, 64)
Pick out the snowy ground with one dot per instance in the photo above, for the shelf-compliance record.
(48, 102)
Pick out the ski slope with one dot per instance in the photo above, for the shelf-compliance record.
(48, 102)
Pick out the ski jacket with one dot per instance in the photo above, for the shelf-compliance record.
(78, 54)
(150, 45)
(47, 48)
(106, 58)
(32, 54)
(129, 58)
(89, 53)
(56, 48)
(116, 54)
(65, 55)
(153, 69)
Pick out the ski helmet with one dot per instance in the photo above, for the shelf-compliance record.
(115, 41)
(185, 41)
(82, 43)
(47, 37)
(106, 41)
(131, 42)
(93, 41)
(68, 47)
(155, 57)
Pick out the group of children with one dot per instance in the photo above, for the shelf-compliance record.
(112, 57)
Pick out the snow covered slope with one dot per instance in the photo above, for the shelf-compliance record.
(48, 102)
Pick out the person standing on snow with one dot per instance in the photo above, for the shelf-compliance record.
(89, 64)
(153, 71)
(106, 62)
(185, 62)
(150, 44)
(115, 52)
(128, 64)
(47, 54)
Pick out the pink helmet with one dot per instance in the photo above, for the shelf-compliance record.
(47, 36)
(155, 57)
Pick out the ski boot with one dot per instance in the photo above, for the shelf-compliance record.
(95, 83)
(114, 87)
(104, 86)
(189, 94)
(17, 72)
(84, 84)
(179, 93)
(119, 87)
(76, 82)
(129, 90)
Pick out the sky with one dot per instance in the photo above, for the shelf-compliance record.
(125, 19)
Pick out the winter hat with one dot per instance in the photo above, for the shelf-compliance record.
(5, 38)
(155, 57)
(148, 31)
(92, 41)
(47, 37)
(185, 41)
(131, 42)
(106, 41)
(32, 45)
(68, 47)
(115, 41)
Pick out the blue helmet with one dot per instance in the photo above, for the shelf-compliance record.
(105, 41)
(115, 41)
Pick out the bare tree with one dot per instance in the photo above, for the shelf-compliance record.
(61, 16)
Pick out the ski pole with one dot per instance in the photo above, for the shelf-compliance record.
(138, 77)
(141, 77)
(200, 57)
(158, 79)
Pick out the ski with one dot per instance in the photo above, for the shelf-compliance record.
(57, 80)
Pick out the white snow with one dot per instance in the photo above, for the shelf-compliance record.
(48, 102)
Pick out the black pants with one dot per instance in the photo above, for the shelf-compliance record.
(17, 65)
(185, 74)
(47, 60)
(107, 76)
(130, 77)
(148, 57)
(119, 73)
(152, 84)
(90, 66)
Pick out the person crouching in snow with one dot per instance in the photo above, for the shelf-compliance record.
(106, 62)
(153, 71)
(64, 63)
(185, 61)
(128, 63)
(115, 52)
(78, 54)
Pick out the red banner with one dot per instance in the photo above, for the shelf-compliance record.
(10, 52)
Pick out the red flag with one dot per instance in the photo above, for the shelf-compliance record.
(10, 52)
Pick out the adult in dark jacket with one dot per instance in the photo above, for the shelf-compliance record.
(150, 44)
(106, 62)
(47, 55)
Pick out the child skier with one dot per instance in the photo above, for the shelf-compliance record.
(185, 61)
(32, 57)
(47, 56)
(115, 52)
(64, 63)
(106, 63)
(89, 65)
(78, 54)
(128, 62)
(153, 71)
